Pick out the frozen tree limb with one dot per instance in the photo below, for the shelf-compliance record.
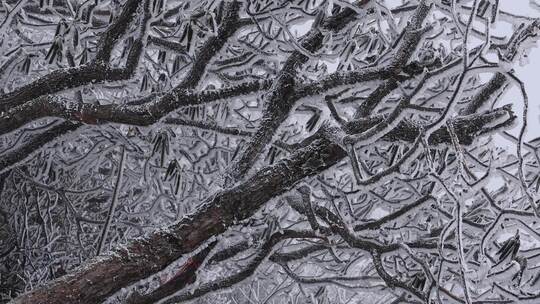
(98, 70)
(217, 90)
(94, 281)
(114, 202)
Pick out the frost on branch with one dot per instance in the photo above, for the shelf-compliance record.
(257, 151)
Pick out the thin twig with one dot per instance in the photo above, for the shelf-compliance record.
(114, 202)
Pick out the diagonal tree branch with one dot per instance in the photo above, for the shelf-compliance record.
(14, 156)
(96, 71)
(283, 96)
(104, 275)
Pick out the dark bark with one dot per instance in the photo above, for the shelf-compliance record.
(144, 114)
(34, 143)
(282, 96)
(246, 271)
(185, 275)
(468, 127)
(96, 71)
(485, 93)
(104, 275)
(383, 90)
(117, 29)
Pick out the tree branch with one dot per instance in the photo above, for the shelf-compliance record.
(96, 71)
(103, 276)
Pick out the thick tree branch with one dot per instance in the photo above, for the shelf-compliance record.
(282, 96)
(116, 30)
(34, 143)
(96, 71)
(467, 127)
(104, 275)
(184, 276)
(245, 272)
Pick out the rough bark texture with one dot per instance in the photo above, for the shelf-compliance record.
(244, 194)
(104, 275)
(94, 72)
